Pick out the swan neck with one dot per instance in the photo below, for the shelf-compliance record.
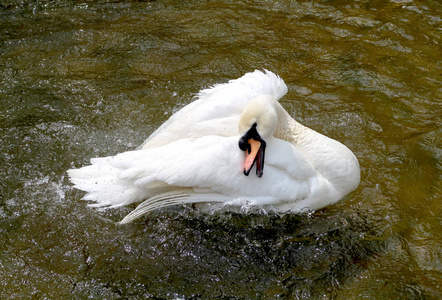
(331, 158)
(289, 129)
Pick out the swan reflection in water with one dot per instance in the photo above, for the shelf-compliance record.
(235, 142)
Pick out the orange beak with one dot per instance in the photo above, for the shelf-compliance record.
(255, 147)
(252, 155)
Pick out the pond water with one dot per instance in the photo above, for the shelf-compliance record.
(81, 79)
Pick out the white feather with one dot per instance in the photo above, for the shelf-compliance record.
(194, 157)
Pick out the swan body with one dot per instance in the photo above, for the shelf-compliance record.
(206, 151)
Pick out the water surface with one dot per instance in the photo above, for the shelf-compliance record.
(81, 79)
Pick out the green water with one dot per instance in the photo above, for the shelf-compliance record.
(81, 79)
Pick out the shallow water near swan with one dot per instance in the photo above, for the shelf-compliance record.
(81, 79)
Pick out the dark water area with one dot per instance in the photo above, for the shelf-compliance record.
(82, 79)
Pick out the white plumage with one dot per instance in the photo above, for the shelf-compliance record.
(194, 157)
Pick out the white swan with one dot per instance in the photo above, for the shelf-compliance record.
(205, 151)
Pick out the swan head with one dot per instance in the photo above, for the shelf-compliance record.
(257, 124)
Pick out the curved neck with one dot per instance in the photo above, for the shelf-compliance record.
(331, 158)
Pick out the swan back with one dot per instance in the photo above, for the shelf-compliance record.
(217, 109)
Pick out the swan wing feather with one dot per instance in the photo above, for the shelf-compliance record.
(217, 109)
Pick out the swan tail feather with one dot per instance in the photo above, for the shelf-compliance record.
(102, 185)
(169, 199)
